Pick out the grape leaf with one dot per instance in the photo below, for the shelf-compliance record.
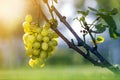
(112, 25)
(114, 11)
(82, 18)
(85, 13)
(100, 27)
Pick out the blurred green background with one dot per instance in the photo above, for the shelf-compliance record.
(65, 64)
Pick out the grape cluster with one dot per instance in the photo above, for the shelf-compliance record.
(40, 42)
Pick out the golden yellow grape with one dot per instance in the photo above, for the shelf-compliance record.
(28, 18)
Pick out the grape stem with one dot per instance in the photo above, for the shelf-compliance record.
(103, 62)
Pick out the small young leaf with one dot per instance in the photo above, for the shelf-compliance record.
(82, 19)
(100, 28)
(84, 13)
(99, 40)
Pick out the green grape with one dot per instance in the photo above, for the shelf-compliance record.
(54, 42)
(38, 30)
(29, 46)
(29, 52)
(43, 55)
(44, 32)
(25, 37)
(50, 35)
(55, 35)
(44, 46)
(45, 39)
(50, 43)
(28, 18)
(47, 26)
(39, 37)
(34, 62)
(31, 38)
(26, 27)
(26, 24)
(36, 45)
(34, 28)
(36, 52)
(49, 49)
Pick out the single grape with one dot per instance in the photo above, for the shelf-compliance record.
(45, 39)
(44, 46)
(25, 37)
(39, 37)
(36, 45)
(50, 43)
(49, 49)
(43, 55)
(50, 35)
(38, 30)
(26, 27)
(44, 32)
(33, 63)
(31, 38)
(36, 52)
(26, 24)
(29, 45)
(28, 18)
(54, 42)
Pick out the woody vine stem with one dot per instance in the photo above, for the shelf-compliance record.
(102, 61)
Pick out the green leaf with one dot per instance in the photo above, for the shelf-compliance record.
(85, 13)
(113, 34)
(103, 10)
(100, 28)
(112, 25)
(114, 11)
(93, 9)
(82, 18)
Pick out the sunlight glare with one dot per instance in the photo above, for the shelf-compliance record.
(10, 11)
